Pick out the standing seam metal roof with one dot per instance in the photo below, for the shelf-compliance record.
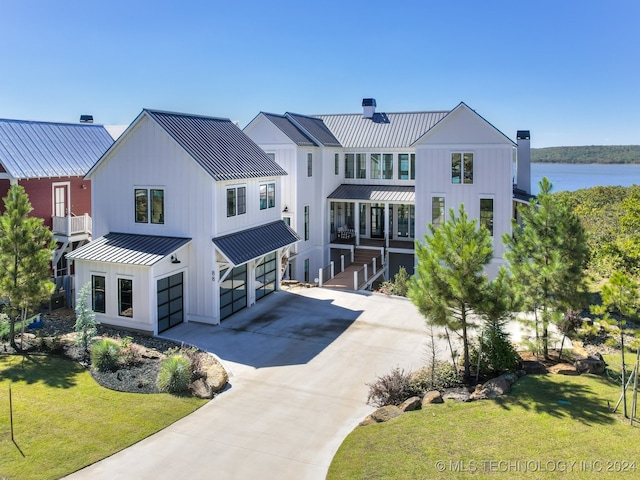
(128, 249)
(375, 193)
(218, 145)
(384, 130)
(316, 127)
(255, 242)
(290, 130)
(31, 149)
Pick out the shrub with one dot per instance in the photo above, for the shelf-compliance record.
(105, 354)
(130, 353)
(85, 319)
(175, 374)
(193, 354)
(438, 377)
(4, 327)
(497, 355)
(399, 286)
(390, 389)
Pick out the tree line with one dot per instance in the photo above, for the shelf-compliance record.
(606, 154)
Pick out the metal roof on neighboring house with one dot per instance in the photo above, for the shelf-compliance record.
(255, 242)
(128, 249)
(290, 130)
(384, 130)
(30, 149)
(375, 193)
(218, 145)
(316, 128)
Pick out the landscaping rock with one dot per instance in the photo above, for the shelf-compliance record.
(532, 367)
(457, 395)
(563, 369)
(200, 389)
(216, 376)
(368, 420)
(410, 404)
(386, 413)
(432, 397)
(494, 387)
(594, 364)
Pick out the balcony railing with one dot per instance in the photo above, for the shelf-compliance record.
(72, 225)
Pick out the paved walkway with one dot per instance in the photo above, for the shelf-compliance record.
(299, 363)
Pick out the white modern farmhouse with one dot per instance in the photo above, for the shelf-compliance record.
(187, 224)
(366, 185)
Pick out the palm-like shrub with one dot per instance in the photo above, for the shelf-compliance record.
(175, 374)
(105, 354)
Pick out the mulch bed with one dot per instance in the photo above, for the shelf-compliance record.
(57, 337)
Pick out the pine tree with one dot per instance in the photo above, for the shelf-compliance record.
(449, 281)
(547, 255)
(85, 318)
(26, 250)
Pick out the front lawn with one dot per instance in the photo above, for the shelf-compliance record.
(548, 425)
(63, 420)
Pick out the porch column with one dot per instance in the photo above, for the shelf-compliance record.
(356, 227)
(386, 225)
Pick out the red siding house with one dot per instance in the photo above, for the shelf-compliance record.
(50, 160)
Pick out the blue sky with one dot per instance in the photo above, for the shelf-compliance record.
(568, 71)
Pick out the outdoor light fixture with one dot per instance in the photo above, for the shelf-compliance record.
(285, 209)
(174, 259)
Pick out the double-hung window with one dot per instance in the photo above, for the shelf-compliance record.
(462, 168)
(267, 195)
(149, 205)
(236, 201)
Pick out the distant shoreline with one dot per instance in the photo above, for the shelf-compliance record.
(591, 154)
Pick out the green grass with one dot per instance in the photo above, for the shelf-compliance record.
(63, 420)
(546, 422)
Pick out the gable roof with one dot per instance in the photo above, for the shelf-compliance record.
(255, 242)
(384, 130)
(218, 145)
(129, 249)
(316, 128)
(290, 130)
(30, 149)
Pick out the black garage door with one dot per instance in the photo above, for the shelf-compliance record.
(170, 304)
(233, 291)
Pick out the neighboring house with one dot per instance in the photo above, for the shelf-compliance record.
(374, 181)
(50, 160)
(187, 213)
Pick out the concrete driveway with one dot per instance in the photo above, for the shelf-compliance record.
(298, 363)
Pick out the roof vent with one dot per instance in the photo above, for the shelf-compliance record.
(368, 107)
(86, 118)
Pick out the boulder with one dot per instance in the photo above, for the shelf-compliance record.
(200, 389)
(563, 369)
(457, 394)
(386, 413)
(594, 364)
(215, 376)
(367, 421)
(494, 387)
(532, 367)
(410, 404)
(432, 397)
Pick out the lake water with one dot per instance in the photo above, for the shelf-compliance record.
(571, 176)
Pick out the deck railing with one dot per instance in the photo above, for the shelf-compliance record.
(72, 225)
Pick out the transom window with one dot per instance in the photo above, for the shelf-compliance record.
(236, 201)
(462, 168)
(149, 205)
(267, 195)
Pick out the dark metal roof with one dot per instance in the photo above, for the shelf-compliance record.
(255, 242)
(43, 149)
(384, 130)
(375, 193)
(290, 130)
(218, 145)
(522, 196)
(129, 249)
(316, 128)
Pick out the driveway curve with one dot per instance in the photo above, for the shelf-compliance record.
(299, 362)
